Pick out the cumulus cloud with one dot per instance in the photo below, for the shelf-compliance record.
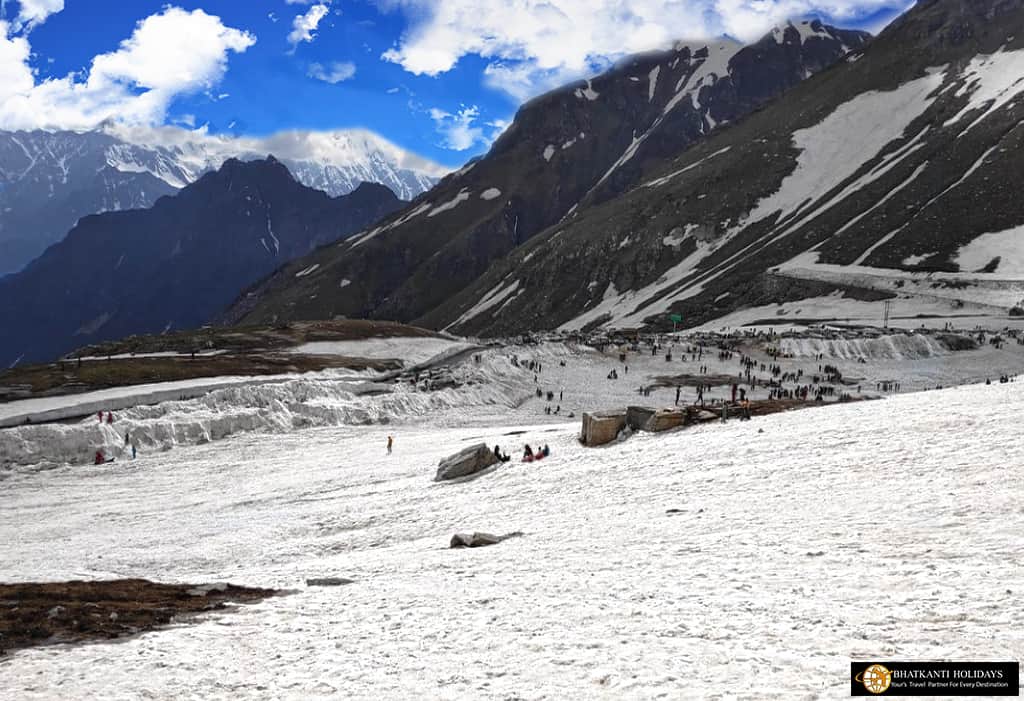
(537, 43)
(335, 72)
(460, 131)
(32, 13)
(171, 53)
(304, 26)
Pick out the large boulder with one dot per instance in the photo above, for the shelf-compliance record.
(473, 540)
(466, 462)
(665, 420)
(602, 427)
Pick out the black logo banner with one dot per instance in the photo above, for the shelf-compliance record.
(880, 678)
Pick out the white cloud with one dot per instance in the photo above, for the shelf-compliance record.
(170, 53)
(304, 26)
(32, 13)
(459, 131)
(335, 72)
(534, 44)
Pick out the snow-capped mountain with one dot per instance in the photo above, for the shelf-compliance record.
(586, 142)
(177, 264)
(48, 180)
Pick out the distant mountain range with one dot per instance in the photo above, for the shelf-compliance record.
(48, 180)
(566, 152)
(177, 264)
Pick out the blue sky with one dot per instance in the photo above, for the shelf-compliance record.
(439, 78)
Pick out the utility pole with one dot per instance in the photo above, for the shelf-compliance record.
(888, 307)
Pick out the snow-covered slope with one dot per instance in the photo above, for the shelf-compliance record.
(763, 582)
(901, 158)
(51, 179)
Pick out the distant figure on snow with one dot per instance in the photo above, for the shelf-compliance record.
(133, 451)
(99, 458)
(391, 442)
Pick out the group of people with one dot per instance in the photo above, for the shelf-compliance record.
(528, 453)
(531, 456)
(100, 457)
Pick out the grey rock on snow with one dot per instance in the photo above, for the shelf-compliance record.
(466, 462)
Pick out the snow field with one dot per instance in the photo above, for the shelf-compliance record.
(794, 550)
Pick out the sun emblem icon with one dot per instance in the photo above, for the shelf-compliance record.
(876, 679)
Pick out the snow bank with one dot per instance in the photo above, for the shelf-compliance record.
(410, 350)
(271, 407)
(896, 347)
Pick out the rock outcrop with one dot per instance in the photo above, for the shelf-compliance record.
(479, 540)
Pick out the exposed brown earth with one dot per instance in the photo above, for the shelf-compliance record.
(253, 338)
(247, 351)
(34, 614)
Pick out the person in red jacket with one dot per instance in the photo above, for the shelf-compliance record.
(99, 458)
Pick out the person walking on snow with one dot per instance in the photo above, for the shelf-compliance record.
(391, 442)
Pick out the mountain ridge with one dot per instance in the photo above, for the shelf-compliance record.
(176, 264)
(558, 148)
(53, 178)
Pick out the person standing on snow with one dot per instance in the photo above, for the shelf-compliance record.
(391, 442)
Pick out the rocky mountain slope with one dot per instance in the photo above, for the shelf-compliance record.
(582, 144)
(892, 175)
(177, 264)
(48, 180)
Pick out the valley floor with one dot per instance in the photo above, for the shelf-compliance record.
(885, 528)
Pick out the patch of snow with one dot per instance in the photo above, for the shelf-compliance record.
(1007, 245)
(450, 204)
(915, 259)
(490, 194)
(345, 282)
(307, 271)
(588, 92)
(678, 235)
(652, 85)
(664, 179)
(410, 350)
(991, 82)
(497, 295)
(549, 151)
(414, 212)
